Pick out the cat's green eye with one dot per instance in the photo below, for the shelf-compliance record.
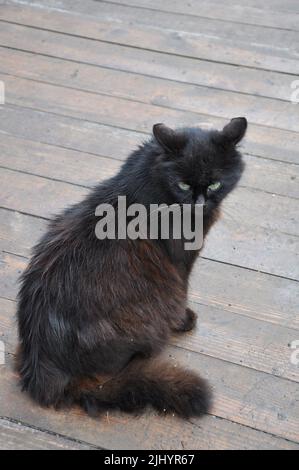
(214, 186)
(183, 186)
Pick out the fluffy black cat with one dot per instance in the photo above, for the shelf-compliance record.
(93, 314)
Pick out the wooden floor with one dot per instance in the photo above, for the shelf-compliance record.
(85, 81)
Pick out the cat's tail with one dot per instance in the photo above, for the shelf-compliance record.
(164, 386)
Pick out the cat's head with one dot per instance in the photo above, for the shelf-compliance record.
(199, 166)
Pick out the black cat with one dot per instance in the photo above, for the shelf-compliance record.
(93, 314)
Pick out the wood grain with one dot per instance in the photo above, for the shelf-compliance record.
(153, 73)
(266, 7)
(231, 11)
(181, 44)
(140, 116)
(17, 436)
(191, 37)
(8, 326)
(117, 142)
(68, 133)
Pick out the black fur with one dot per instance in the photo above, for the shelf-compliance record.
(93, 314)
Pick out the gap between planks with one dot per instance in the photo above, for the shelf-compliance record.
(17, 435)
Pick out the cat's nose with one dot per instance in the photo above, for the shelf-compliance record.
(201, 200)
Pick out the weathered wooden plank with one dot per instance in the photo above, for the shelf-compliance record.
(241, 397)
(212, 29)
(279, 59)
(245, 292)
(242, 341)
(89, 137)
(141, 80)
(117, 111)
(244, 14)
(126, 22)
(248, 246)
(227, 336)
(62, 164)
(92, 137)
(188, 6)
(227, 287)
(19, 436)
(276, 5)
(8, 326)
(11, 268)
(274, 177)
(86, 169)
(20, 232)
(55, 195)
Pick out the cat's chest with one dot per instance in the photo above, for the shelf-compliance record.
(181, 258)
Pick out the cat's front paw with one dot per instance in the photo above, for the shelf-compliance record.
(188, 322)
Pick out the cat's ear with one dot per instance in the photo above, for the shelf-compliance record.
(234, 131)
(169, 139)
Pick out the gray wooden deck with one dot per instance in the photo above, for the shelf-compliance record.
(85, 81)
